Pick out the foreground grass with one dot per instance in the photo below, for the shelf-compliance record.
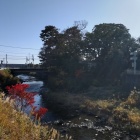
(16, 125)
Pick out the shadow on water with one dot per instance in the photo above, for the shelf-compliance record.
(82, 127)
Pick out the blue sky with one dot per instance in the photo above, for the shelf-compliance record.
(21, 21)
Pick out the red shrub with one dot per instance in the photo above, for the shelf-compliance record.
(23, 99)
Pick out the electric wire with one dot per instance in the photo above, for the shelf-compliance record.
(17, 56)
(5, 52)
(18, 47)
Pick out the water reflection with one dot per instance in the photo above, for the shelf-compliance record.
(36, 87)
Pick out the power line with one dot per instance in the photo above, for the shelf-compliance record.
(19, 59)
(13, 52)
(16, 55)
(13, 57)
(18, 47)
(16, 58)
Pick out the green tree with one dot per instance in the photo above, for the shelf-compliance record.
(61, 55)
(49, 36)
(74, 58)
(109, 45)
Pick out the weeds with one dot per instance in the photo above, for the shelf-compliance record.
(16, 125)
(124, 113)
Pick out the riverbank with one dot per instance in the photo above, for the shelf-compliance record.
(7, 79)
(106, 106)
(18, 125)
(15, 124)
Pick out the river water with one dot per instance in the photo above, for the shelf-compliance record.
(82, 127)
(36, 86)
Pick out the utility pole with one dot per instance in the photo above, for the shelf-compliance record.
(134, 58)
(33, 60)
(29, 60)
(6, 61)
(3, 62)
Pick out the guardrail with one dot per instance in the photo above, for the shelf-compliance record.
(130, 71)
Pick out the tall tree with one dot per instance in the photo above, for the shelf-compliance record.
(67, 54)
(109, 45)
(61, 53)
(49, 36)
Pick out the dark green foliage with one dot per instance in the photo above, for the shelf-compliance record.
(61, 55)
(110, 47)
(6, 79)
(104, 54)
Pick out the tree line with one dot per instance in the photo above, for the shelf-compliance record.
(76, 59)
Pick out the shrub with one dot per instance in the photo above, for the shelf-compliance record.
(7, 79)
(15, 125)
(23, 99)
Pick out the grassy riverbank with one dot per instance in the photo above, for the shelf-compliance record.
(106, 103)
(15, 125)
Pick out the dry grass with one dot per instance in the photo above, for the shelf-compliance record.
(134, 116)
(129, 110)
(131, 116)
(79, 100)
(124, 112)
(102, 104)
(16, 125)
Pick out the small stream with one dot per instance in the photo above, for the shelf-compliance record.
(83, 127)
(36, 86)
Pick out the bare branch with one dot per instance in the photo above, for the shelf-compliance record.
(81, 24)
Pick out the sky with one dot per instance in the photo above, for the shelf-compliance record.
(21, 22)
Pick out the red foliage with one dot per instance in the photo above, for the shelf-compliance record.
(23, 99)
(39, 113)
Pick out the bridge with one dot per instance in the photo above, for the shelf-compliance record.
(42, 73)
(24, 70)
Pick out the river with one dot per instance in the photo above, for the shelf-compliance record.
(82, 127)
